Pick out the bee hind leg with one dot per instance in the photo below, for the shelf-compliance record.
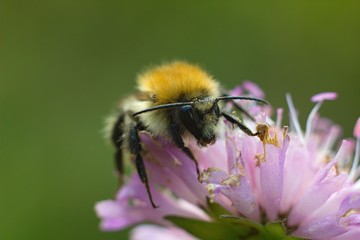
(135, 148)
(117, 140)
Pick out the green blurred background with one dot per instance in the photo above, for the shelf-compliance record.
(64, 64)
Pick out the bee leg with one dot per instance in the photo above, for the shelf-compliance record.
(117, 139)
(241, 109)
(242, 127)
(135, 148)
(176, 137)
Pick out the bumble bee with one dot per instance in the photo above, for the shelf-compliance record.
(176, 101)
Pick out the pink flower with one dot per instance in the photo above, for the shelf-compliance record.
(143, 232)
(286, 175)
(131, 206)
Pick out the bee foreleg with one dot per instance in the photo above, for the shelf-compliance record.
(135, 148)
(176, 137)
(242, 127)
(241, 109)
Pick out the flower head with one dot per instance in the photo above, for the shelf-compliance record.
(285, 175)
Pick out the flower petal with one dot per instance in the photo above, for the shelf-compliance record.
(332, 222)
(357, 128)
(321, 228)
(324, 96)
(143, 232)
(315, 197)
(107, 209)
(169, 166)
(352, 234)
(352, 201)
(272, 177)
(242, 198)
(132, 206)
(253, 89)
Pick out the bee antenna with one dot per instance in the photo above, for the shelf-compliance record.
(241, 98)
(163, 106)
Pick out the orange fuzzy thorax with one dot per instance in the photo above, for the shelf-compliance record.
(177, 81)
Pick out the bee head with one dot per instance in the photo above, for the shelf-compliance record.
(201, 119)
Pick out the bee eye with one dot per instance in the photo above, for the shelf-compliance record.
(187, 114)
(186, 108)
(191, 120)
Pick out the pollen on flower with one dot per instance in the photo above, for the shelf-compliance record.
(232, 180)
(350, 212)
(259, 158)
(206, 174)
(211, 190)
(241, 169)
(266, 135)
